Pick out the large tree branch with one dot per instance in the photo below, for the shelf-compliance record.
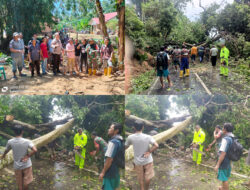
(150, 125)
(161, 137)
(41, 141)
(37, 127)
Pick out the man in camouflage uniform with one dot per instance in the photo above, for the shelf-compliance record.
(101, 147)
(92, 50)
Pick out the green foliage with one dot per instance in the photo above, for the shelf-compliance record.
(112, 24)
(25, 16)
(235, 18)
(93, 113)
(186, 31)
(142, 106)
(134, 28)
(142, 82)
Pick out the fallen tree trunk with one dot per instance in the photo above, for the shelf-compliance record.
(150, 125)
(161, 137)
(41, 141)
(36, 127)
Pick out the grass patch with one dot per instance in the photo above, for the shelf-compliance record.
(142, 82)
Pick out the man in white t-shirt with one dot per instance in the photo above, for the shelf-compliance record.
(21, 156)
(213, 54)
(143, 160)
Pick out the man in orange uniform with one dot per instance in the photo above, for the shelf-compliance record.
(194, 53)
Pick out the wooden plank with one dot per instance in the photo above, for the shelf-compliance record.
(203, 84)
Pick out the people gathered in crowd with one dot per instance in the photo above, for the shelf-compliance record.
(62, 56)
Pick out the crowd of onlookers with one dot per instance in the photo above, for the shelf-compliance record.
(48, 53)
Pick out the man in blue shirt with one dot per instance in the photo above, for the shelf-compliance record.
(110, 173)
(223, 166)
(35, 55)
(17, 50)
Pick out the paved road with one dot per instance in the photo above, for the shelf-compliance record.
(215, 83)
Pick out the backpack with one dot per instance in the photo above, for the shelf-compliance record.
(235, 150)
(160, 60)
(120, 156)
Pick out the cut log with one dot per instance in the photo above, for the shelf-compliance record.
(41, 141)
(150, 125)
(161, 137)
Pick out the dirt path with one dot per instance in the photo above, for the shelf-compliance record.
(172, 173)
(217, 84)
(62, 84)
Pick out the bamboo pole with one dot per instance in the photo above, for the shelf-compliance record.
(161, 137)
(41, 141)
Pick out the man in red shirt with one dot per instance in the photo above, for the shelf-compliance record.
(45, 55)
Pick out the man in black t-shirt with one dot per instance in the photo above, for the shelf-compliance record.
(84, 57)
(77, 55)
(162, 67)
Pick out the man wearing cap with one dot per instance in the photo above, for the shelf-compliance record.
(57, 51)
(70, 49)
(224, 54)
(106, 57)
(80, 141)
(92, 49)
(17, 50)
(35, 55)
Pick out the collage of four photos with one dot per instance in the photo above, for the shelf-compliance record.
(124, 94)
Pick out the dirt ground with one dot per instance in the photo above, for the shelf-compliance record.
(53, 175)
(81, 84)
(173, 172)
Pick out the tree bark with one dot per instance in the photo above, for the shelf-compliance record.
(101, 18)
(36, 127)
(150, 125)
(121, 32)
(41, 141)
(161, 137)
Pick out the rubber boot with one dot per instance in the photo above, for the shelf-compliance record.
(109, 71)
(94, 71)
(90, 72)
(187, 73)
(105, 71)
(181, 73)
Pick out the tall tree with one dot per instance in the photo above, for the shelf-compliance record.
(101, 18)
(121, 32)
